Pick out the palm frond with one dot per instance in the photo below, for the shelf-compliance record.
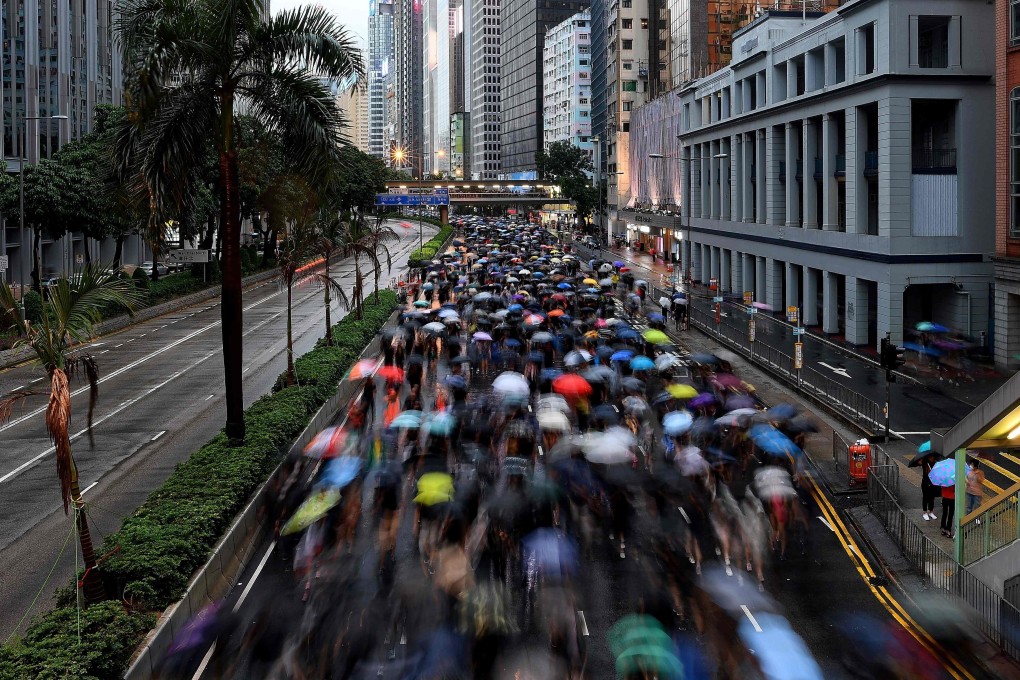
(77, 305)
(86, 364)
(312, 36)
(58, 419)
(335, 288)
(11, 316)
(10, 400)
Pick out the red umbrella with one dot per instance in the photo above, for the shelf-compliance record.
(327, 444)
(624, 269)
(363, 369)
(571, 385)
(391, 373)
(559, 297)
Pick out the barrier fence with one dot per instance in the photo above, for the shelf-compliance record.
(994, 525)
(994, 616)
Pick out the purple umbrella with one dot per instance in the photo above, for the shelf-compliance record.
(702, 400)
(738, 401)
(618, 263)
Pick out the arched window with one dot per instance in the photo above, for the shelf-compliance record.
(1014, 163)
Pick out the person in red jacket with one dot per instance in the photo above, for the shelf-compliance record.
(948, 507)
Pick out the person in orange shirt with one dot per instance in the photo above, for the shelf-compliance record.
(392, 406)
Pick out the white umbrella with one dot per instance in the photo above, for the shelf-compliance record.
(553, 402)
(553, 421)
(511, 382)
(666, 361)
(690, 462)
(434, 327)
(609, 447)
(664, 301)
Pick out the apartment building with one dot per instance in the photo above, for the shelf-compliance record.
(566, 65)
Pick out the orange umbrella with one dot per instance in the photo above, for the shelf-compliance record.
(571, 385)
(555, 313)
(391, 373)
(363, 369)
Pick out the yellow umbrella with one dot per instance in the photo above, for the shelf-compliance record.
(434, 488)
(680, 391)
(591, 282)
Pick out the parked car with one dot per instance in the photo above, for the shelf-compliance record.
(161, 268)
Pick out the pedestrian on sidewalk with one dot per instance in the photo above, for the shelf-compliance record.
(948, 508)
(928, 490)
(975, 485)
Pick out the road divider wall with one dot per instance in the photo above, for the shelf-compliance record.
(193, 535)
(424, 255)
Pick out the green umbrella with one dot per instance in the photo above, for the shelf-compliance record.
(312, 510)
(637, 629)
(421, 303)
(649, 658)
(655, 336)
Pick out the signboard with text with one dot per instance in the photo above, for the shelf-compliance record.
(798, 355)
(791, 314)
(750, 330)
(748, 297)
(188, 256)
(3, 263)
(412, 199)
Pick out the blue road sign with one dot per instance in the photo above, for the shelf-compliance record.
(413, 199)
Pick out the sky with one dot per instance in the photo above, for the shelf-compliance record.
(353, 14)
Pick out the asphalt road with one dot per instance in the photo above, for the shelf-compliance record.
(160, 398)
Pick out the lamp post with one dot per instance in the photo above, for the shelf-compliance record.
(22, 160)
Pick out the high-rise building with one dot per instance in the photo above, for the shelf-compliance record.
(59, 59)
(380, 58)
(701, 33)
(566, 64)
(408, 85)
(443, 78)
(483, 88)
(1007, 184)
(523, 25)
(353, 103)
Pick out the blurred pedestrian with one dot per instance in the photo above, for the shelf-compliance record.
(975, 485)
(928, 490)
(948, 508)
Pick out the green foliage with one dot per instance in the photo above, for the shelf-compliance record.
(428, 251)
(141, 278)
(50, 648)
(174, 285)
(171, 534)
(33, 303)
(562, 159)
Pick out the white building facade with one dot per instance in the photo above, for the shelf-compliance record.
(566, 63)
(844, 166)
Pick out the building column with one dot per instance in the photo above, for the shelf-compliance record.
(749, 270)
(761, 277)
(853, 180)
(809, 307)
(714, 253)
(810, 185)
(856, 305)
(706, 178)
(761, 181)
(830, 303)
(736, 281)
(695, 260)
(726, 179)
(737, 172)
(714, 178)
(792, 297)
(724, 270)
(830, 187)
(890, 310)
(775, 141)
(747, 192)
(894, 162)
(774, 284)
(792, 188)
(706, 263)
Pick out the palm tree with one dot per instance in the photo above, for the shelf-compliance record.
(356, 241)
(328, 243)
(68, 320)
(191, 64)
(377, 235)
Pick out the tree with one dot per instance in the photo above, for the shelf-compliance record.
(329, 241)
(584, 196)
(356, 180)
(68, 321)
(190, 63)
(356, 241)
(562, 159)
(377, 235)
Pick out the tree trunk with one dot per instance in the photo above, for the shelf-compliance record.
(329, 321)
(358, 283)
(88, 251)
(230, 264)
(210, 229)
(37, 260)
(154, 274)
(291, 378)
(118, 251)
(92, 583)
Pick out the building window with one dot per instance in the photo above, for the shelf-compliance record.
(628, 23)
(644, 24)
(626, 4)
(1014, 163)
(628, 66)
(627, 106)
(630, 86)
(628, 44)
(1014, 22)
(933, 42)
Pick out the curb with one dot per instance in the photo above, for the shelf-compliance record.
(237, 546)
(10, 358)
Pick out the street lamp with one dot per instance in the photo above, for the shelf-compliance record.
(22, 160)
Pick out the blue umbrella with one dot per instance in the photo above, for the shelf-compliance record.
(921, 349)
(442, 424)
(622, 355)
(656, 317)
(455, 381)
(943, 473)
(780, 652)
(677, 423)
(407, 419)
(627, 334)
(564, 286)
(641, 363)
(773, 442)
(925, 447)
(514, 308)
(550, 373)
(340, 472)
(552, 552)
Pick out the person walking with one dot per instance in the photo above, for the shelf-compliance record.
(928, 490)
(975, 485)
(948, 508)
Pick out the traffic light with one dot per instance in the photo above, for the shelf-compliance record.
(891, 357)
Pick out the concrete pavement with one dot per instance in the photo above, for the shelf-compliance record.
(160, 400)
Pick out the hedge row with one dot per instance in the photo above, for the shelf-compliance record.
(172, 533)
(428, 251)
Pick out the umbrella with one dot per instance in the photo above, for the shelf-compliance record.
(312, 510)
(441, 424)
(781, 412)
(780, 652)
(575, 358)
(727, 380)
(773, 442)
(732, 420)
(664, 301)
(407, 420)
(480, 335)
(703, 400)
(943, 473)
(633, 384)
(551, 551)
(456, 382)
(655, 317)
(739, 401)
(641, 363)
(435, 328)
(681, 391)
(677, 423)
(363, 369)
(733, 594)
(667, 361)
(541, 337)
(691, 463)
(511, 383)
(434, 488)
(422, 304)
(571, 385)
(327, 444)
(931, 327)
(762, 305)
(606, 415)
(391, 373)
(340, 472)
(655, 336)
(706, 359)
(590, 282)
(553, 420)
(552, 402)
(609, 447)
(622, 355)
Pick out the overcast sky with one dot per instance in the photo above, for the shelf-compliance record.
(353, 14)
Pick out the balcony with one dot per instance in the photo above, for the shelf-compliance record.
(819, 169)
(754, 175)
(934, 161)
(799, 170)
(840, 172)
(782, 172)
(871, 164)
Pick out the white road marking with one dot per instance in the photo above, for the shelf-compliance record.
(87, 488)
(19, 387)
(584, 624)
(246, 370)
(104, 351)
(254, 577)
(210, 397)
(826, 523)
(205, 662)
(158, 435)
(901, 434)
(750, 617)
(120, 345)
(36, 380)
(837, 371)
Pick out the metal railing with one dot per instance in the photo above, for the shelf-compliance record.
(994, 616)
(934, 160)
(992, 526)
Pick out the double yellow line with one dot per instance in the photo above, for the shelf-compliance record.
(949, 661)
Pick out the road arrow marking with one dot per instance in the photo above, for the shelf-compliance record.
(837, 371)
(826, 523)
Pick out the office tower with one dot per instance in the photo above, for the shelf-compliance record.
(523, 25)
(566, 60)
(408, 86)
(483, 88)
(353, 104)
(380, 57)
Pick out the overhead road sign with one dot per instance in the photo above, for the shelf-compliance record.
(411, 199)
(188, 256)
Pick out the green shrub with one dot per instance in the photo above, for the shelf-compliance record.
(50, 648)
(141, 278)
(175, 285)
(33, 304)
(428, 251)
